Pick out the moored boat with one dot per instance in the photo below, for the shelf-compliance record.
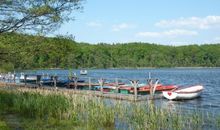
(29, 78)
(145, 89)
(159, 87)
(83, 72)
(184, 93)
(108, 87)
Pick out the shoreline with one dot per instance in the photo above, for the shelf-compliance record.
(123, 68)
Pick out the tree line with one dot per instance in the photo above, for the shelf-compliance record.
(20, 51)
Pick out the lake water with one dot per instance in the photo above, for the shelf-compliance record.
(208, 77)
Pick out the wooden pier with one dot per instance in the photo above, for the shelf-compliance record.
(118, 96)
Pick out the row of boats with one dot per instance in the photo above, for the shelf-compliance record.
(171, 92)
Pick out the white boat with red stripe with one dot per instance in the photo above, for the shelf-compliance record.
(184, 93)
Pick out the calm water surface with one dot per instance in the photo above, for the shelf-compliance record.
(208, 77)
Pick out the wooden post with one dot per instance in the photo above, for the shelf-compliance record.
(51, 80)
(90, 84)
(69, 81)
(153, 87)
(116, 85)
(55, 81)
(14, 78)
(135, 85)
(135, 89)
(8, 77)
(101, 83)
(25, 80)
(150, 83)
(75, 78)
(38, 81)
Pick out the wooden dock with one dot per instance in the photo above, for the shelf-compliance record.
(111, 95)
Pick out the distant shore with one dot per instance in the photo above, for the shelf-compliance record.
(125, 68)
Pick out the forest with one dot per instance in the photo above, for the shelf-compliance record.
(22, 51)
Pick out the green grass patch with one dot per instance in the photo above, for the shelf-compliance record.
(3, 125)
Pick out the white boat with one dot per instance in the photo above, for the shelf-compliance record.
(83, 72)
(184, 93)
(29, 78)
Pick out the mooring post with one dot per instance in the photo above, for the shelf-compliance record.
(8, 77)
(38, 81)
(51, 80)
(90, 85)
(4, 78)
(116, 85)
(69, 78)
(153, 87)
(101, 83)
(14, 78)
(150, 83)
(25, 80)
(135, 85)
(55, 81)
(75, 78)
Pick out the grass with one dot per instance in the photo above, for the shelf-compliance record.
(3, 125)
(58, 110)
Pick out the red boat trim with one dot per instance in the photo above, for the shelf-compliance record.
(158, 88)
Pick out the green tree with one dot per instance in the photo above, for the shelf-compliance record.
(35, 15)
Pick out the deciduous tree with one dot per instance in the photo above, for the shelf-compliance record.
(36, 15)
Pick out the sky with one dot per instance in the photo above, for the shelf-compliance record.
(166, 22)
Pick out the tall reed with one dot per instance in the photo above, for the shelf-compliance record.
(62, 110)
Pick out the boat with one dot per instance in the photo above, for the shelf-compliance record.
(108, 87)
(159, 87)
(184, 93)
(60, 82)
(29, 78)
(126, 89)
(145, 89)
(9, 77)
(83, 72)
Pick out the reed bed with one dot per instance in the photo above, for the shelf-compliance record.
(59, 110)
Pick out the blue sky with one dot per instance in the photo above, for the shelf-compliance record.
(167, 22)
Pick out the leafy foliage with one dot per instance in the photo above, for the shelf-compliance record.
(32, 52)
(35, 15)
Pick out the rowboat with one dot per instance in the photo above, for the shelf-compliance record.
(29, 78)
(83, 72)
(159, 87)
(184, 93)
(108, 87)
(105, 88)
(145, 89)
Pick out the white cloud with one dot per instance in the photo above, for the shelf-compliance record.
(180, 32)
(122, 26)
(217, 39)
(94, 24)
(169, 33)
(192, 22)
(148, 34)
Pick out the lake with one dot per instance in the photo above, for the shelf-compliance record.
(208, 77)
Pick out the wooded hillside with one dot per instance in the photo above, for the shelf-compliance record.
(18, 51)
